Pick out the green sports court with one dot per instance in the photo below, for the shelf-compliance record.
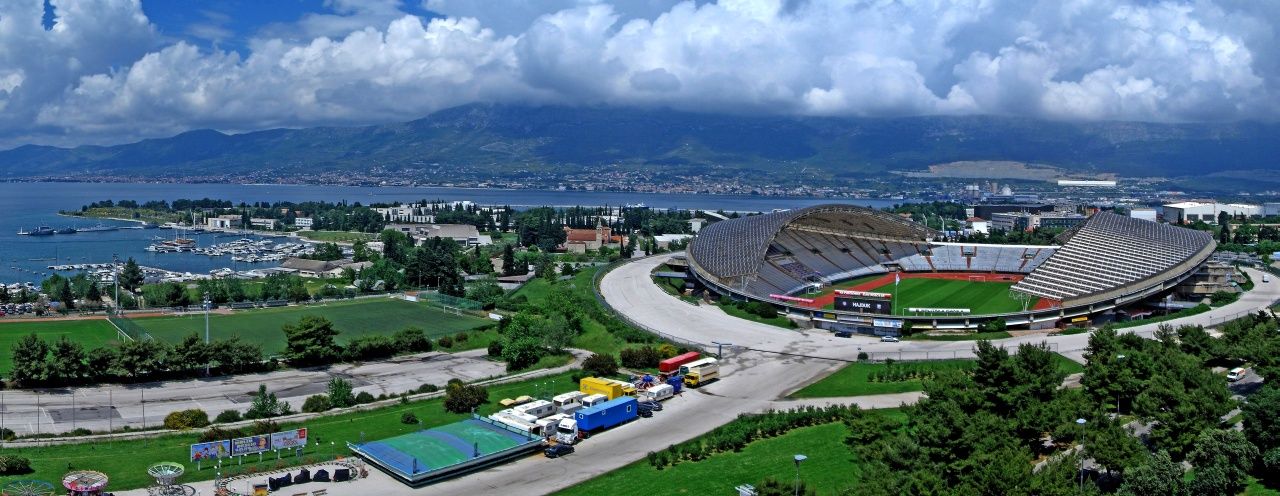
(428, 455)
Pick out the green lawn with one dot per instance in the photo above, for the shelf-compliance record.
(339, 236)
(779, 321)
(830, 467)
(856, 379)
(859, 379)
(129, 472)
(981, 298)
(353, 318)
(90, 333)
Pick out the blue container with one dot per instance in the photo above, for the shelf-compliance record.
(676, 381)
(607, 414)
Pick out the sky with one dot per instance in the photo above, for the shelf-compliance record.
(78, 72)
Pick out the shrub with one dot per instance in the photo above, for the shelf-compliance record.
(364, 397)
(427, 388)
(600, 365)
(461, 398)
(228, 416)
(14, 465)
(460, 337)
(445, 342)
(370, 348)
(862, 356)
(186, 419)
(411, 339)
(667, 350)
(316, 404)
(644, 357)
(408, 418)
(7, 434)
(522, 353)
(216, 433)
(495, 349)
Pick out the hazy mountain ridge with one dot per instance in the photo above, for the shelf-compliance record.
(497, 139)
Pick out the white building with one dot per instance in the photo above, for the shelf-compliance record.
(1143, 213)
(268, 224)
(223, 222)
(1207, 211)
(302, 222)
(978, 225)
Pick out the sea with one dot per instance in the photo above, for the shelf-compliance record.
(25, 206)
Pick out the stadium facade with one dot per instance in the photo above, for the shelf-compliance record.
(783, 258)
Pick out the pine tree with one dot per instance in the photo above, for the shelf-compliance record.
(131, 276)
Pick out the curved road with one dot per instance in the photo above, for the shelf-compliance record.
(630, 290)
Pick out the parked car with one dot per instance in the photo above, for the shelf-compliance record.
(888, 339)
(652, 405)
(1237, 374)
(558, 450)
(844, 334)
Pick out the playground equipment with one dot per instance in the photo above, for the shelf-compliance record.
(27, 488)
(85, 483)
(166, 475)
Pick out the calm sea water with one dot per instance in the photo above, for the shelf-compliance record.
(27, 205)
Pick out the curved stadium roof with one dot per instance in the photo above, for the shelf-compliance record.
(737, 247)
(1112, 255)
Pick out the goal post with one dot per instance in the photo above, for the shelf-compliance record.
(977, 278)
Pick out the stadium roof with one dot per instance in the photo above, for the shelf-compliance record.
(1109, 254)
(737, 247)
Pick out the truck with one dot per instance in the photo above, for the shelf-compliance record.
(536, 408)
(608, 387)
(568, 402)
(549, 424)
(700, 372)
(605, 415)
(673, 364)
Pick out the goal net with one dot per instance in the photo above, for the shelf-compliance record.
(977, 278)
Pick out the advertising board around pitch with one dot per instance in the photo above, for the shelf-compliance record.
(864, 305)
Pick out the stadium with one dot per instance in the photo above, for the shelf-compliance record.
(849, 268)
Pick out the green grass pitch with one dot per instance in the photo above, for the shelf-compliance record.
(90, 333)
(352, 318)
(981, 298)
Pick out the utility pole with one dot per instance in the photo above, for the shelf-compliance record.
(207, 305)
(115, 264)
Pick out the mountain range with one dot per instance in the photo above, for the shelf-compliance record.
(496, 140)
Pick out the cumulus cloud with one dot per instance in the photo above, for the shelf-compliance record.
(104, 74)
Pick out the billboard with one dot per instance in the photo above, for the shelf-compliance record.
(210, 451)
(791, 298)
(864, 305)
(296, 438)
(896, 324)
(250, 445)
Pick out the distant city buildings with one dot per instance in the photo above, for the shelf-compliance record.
(1207, 211)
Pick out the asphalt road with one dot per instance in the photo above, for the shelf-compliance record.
(98, 408)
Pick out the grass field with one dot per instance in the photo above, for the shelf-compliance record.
(353, 318)
(337, 236)
(980, 298)
(830, 467)
(856, 379)
(90, 333)
(331, 433)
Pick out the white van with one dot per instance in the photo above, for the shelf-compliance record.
(1237, 374)
(659, 393)
(1266, 277)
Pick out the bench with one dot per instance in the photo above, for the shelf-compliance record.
(321, 492)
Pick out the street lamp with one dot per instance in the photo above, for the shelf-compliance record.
(1080, 422)
(207, 305)
(798, 459)
(1118, 358)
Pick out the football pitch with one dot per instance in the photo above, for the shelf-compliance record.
(352, 319)
(981, 298)
(90, 333)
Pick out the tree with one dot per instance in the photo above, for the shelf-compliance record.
(411, 339)
(1159, 475)
(522, 353)
(191, 353)
(94, 295)
(316, 403)
(29, 360)
(1224, 225)
(266, 405)
(131, 275)
(311, 341)
(67, 361)
(508, 260)
(1222, 459)
(1261, 420)
(486, 291)
(340, 395)
(461, 398)
(600, 365)
(326, 251)
(142, 358)
(65, 295)
(546, 267)
(395, 245)
(1112, 447)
